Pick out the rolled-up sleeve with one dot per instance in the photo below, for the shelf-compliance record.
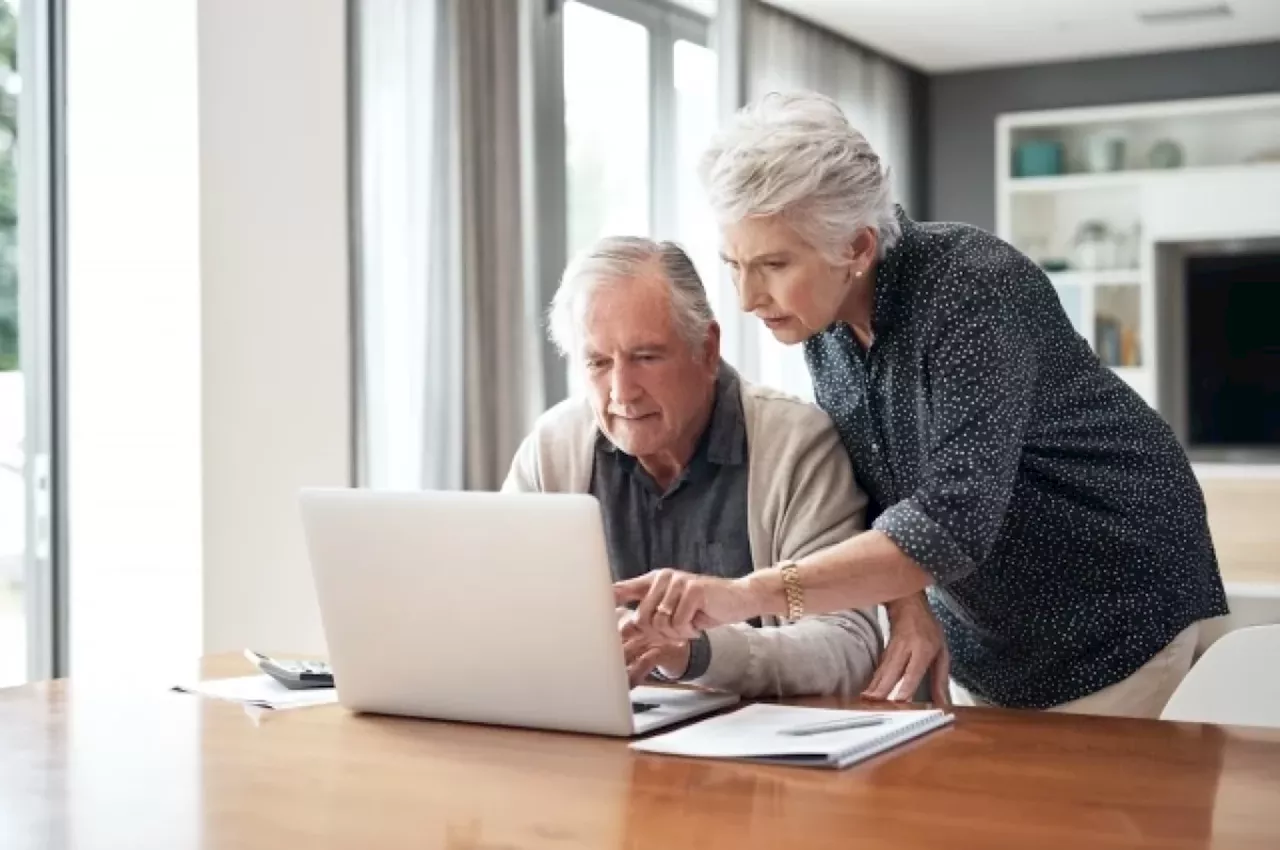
(816, 503)
(982, 368)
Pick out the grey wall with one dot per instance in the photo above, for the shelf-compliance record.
(963, 108)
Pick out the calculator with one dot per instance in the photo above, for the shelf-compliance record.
(295, 675)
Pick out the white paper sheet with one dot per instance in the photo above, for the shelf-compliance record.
(758, 732)
(262, 691)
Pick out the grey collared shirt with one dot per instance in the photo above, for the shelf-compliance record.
(699, 523)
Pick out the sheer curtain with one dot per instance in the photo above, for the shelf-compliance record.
(784, 53)
(450, 373)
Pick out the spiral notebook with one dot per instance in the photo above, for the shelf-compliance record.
(768, 733)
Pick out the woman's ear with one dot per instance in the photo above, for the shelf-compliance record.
(864, 250)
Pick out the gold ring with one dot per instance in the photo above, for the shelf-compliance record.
(663, 609)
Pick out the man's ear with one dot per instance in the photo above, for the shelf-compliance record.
(711, 347)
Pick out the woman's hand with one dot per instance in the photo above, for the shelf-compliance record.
(676, 605)
(916, 649)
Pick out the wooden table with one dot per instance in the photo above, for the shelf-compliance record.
(87, 768)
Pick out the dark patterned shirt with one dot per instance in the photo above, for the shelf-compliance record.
(698, 523)
(1056, 511)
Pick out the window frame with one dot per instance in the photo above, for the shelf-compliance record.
(666, 24)
(43, 327)
(543, 164)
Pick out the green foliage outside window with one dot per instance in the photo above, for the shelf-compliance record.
(8, 186)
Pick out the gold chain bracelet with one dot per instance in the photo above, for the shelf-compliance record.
(793, 590)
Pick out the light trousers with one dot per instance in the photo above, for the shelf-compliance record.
(1143, 694)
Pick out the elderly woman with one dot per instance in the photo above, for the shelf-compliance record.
(1050, 513)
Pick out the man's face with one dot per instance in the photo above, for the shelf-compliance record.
(649, 388)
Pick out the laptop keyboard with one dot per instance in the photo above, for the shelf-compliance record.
(642, 707)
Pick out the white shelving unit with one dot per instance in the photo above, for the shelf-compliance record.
(1127, 179)
(1226, 185)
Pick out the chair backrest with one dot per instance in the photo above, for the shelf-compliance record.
(1237, 681)
(1253, 603)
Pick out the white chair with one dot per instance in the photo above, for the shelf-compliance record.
(1253, 603)
(1236, 681)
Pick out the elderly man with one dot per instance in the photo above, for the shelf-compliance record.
(696, 467)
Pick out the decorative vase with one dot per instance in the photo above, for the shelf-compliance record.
(1037, 159)
(1104, 152)
(1165, 154)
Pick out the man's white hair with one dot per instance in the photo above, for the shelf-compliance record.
(616, 260)
(796, 156)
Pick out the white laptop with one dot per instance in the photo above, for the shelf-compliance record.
(478, 607)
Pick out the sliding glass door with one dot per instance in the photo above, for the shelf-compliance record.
(13, 395)
(29, 343)
(607, 125)
(639, 86)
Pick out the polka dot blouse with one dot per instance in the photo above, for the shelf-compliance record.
(1055, 509)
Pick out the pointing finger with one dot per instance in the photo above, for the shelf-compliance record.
(632, 589)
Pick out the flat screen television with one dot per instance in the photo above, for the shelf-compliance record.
(1232, 351)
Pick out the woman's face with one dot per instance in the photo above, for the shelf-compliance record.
(782, 279)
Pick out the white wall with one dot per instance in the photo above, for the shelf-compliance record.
(134, 334)
(208, 346)
(275, 307)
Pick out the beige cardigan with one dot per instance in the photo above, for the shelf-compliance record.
(801, 497)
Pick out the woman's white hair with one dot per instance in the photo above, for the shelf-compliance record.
(797, 156)
(615, 260)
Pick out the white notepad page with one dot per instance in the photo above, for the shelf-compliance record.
(260, 690)
(756, 733)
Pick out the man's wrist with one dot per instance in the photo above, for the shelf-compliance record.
(697, 658)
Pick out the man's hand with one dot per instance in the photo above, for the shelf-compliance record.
(916, 649)
(643, 654)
